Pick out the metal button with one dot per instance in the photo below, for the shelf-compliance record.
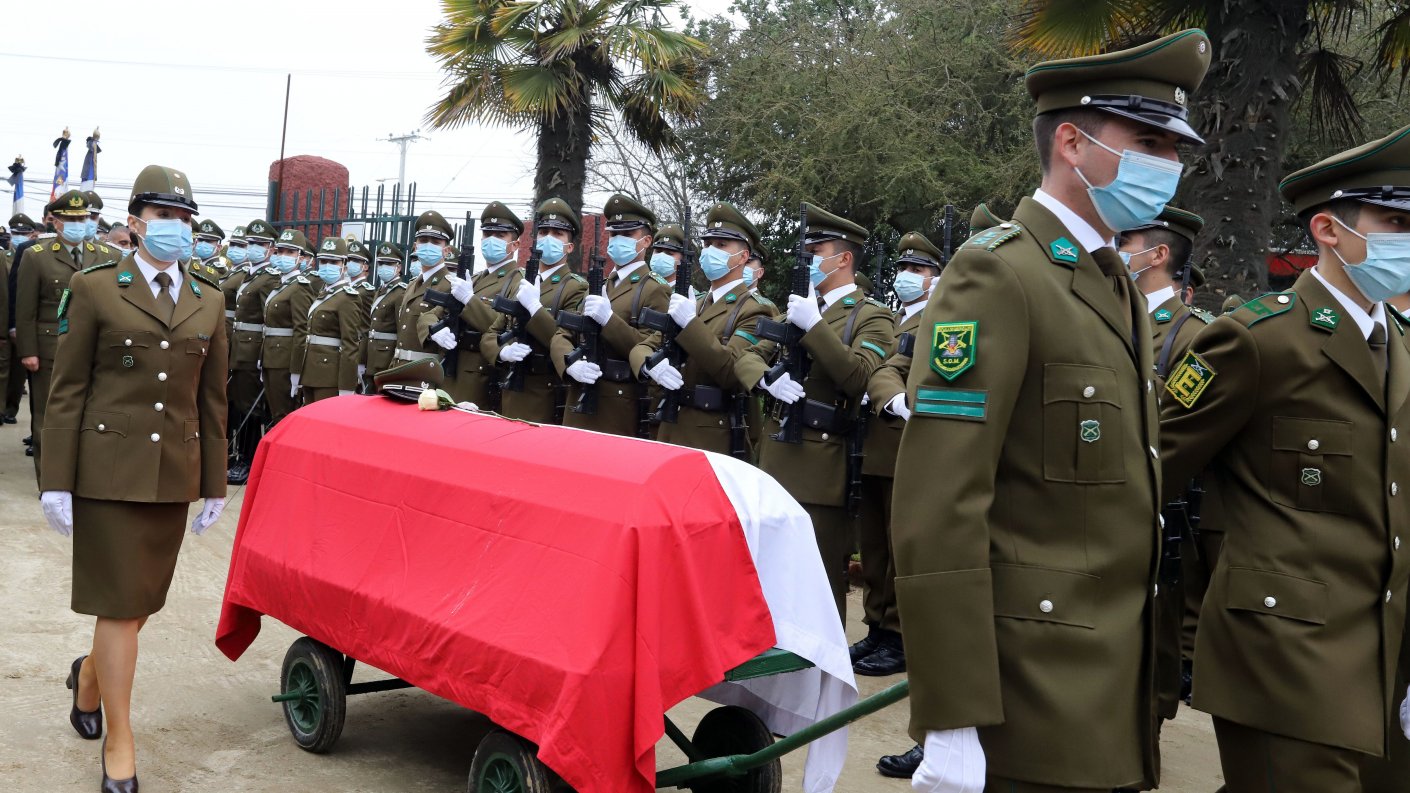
(1394, 489)
(156, 437)
(1393, 433)
(159, 407)
(1396, 543)
(161, 376)
(1387, 595)
(1149, 386)
(1313, 444)
(127, 342)
(824, 436)
(102, 427)
(1156, 590)
(1089, 392)
(165, 344)
(1270, 601)
(1284, 299)
(1045, 606)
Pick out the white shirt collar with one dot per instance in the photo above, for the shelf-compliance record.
(1364, 321)
(838, 293)
(426, 274)
(626, 270)
(1086, 236)
(291, 275)
(550, 271)
(149, 274)
(719, 294)
(910, 311)
(1154, 299)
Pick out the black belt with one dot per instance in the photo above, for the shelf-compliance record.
(820, 416)
(616, 371)
(705, 397)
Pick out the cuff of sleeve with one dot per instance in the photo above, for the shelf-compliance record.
(947, 620)
(58, 466)
(213, 459)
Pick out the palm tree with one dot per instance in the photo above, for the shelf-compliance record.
(1268, 56)
(560, 67)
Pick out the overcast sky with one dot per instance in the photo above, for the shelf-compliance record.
(200, 86)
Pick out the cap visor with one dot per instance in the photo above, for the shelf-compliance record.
(1161, 121)
(1402, 204)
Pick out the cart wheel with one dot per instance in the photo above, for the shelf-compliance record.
(506, 763)
(733, 730)
(314, 671)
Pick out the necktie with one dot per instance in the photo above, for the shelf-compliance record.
(166, 306)
(1377, 340)
(1115, 269)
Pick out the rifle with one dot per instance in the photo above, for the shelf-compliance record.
(856, 453)
(518, 325)
(587, 329)
(906, 344)
(793, 359)
(1181, 517)
(947, 244)
(739, 426)
(670, 349)
(465, 338)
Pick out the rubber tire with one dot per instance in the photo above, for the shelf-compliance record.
(309, 658)
(733, 730)
(506, 763)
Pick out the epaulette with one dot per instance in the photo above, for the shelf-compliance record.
(350, 290)
(763, 300)
(578, 278)
(1202, 315)
(879, 304)
(992, 238)
(303, 280)
(102, 266)
(201, 276)
(399, 285)
(364, 285)
(1263, 307)
(660, 280)
(1400, 320)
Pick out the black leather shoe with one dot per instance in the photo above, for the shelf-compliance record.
(28, 440)
(1187, 680)
(89, 726)
(111, 785)
(866, 646)
(889, 659)
(8, 419)
(901, 766)
(237, 475)
(29, 451)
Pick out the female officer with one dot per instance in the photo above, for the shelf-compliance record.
(137, 426)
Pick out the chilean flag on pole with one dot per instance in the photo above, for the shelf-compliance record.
(61, 165)
(90, 162)
(16, 181)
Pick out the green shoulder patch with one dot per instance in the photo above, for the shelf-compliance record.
(96, 267)
(577, 278)
(124, 278)
(658, 279)
(764, 301)
(952, 403)
(1190, 379)
(1325, 318)
(195, 290)
(1202, 315)
(873, 301)
(747, 336)
(64, 303)
(730, 298)
(1163, 315)
(953, 348)
(874, 348)
(849, 301)
(1263, 307)
(1063, 249)
(983, 238)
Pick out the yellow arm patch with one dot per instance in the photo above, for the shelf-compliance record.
(1190, 379)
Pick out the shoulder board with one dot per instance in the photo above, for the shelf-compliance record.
(102, 248)
(762, 300)
(1400, 319)
(879, 304)
(350, 290)
(1263, 307)
(1202, 315)
(364, 286)
(270, 271)
(102, 266)
(399, 285)
(658, 279)
(991, 238)
(301, 279)
(202, 276)
(578, 278)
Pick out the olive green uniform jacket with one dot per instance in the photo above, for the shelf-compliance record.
(543, 379)
(412, 337)
(884, 432)
(230, 287)
(286, 322)
(1025, 524)
(722, 331)
(380, 342)
(40, 285)
(471, 380)
(327, 355)
(248, 344)
(137, 408)
(1302, 624)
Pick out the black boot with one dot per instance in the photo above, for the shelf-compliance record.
(901, 766)
(1187, 680)
(888, 659)
(866, 646)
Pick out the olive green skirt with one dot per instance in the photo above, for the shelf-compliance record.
(124, 555)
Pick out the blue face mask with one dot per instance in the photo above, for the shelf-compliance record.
(355, 269)
(330, 273)
(236, 255)
(283, 262)
(205, 250)
(91, 230)
(1385, 272)
(257, 253)
(1140, 191)
(73, 231)
(168, 239)
(714, 263)
(815, 270)
(414, 269)
(663, 264)
(1126, 260)
(621, 249)
(386, 272)
(908, 286)
(429, 253)
(748, 276)
(495, 249)
(551, 250)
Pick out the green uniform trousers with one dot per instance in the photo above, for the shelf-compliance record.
(1255, 761)
(277, 385)
(38, 398)
(14, 389)
(878, 565)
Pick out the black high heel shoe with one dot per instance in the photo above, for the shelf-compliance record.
(89, 726)
(111, 785)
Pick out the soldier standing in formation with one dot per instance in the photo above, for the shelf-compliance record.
(23, 234)
(208, 236)
(380, 344)
(356, 270)
(246, 389)
(326, 355)
(1025, 522)
(427, 271)
(285, 319)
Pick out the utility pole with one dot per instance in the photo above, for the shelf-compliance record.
(403, 141)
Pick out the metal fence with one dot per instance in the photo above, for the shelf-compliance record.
(373, 215)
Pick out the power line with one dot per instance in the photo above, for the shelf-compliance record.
(240, 69)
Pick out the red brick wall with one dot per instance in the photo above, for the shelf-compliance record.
(303, 174)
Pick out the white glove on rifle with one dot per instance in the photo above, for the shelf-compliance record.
(585, 372)
(528, 296)
(515, 352)
(954, 763)
(598, 307)
(460, 288)
(784, 389)
(210, 513)
(803, 310)
(1405, 715)
(444, 338)
(897, 406)
(682, 310)
(666, 375)
(294, 385)
(58, 510)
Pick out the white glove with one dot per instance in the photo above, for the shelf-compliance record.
(803, 311)
(210, 512)
(361, 371)
(460, 289)
(682, 310)
(1405, 715)
(666, 375)
(897, 406)
(58, 510)
(345, 392)
(528, 296)
(954, 763)
(599, 308)
(784, 389)
(294, 385)
(515, 352)
(445, 337)
(585, 372)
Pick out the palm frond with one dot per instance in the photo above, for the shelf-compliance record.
(1393, 45)
(1332, 106)
(1070, 28)
(1335, 19)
